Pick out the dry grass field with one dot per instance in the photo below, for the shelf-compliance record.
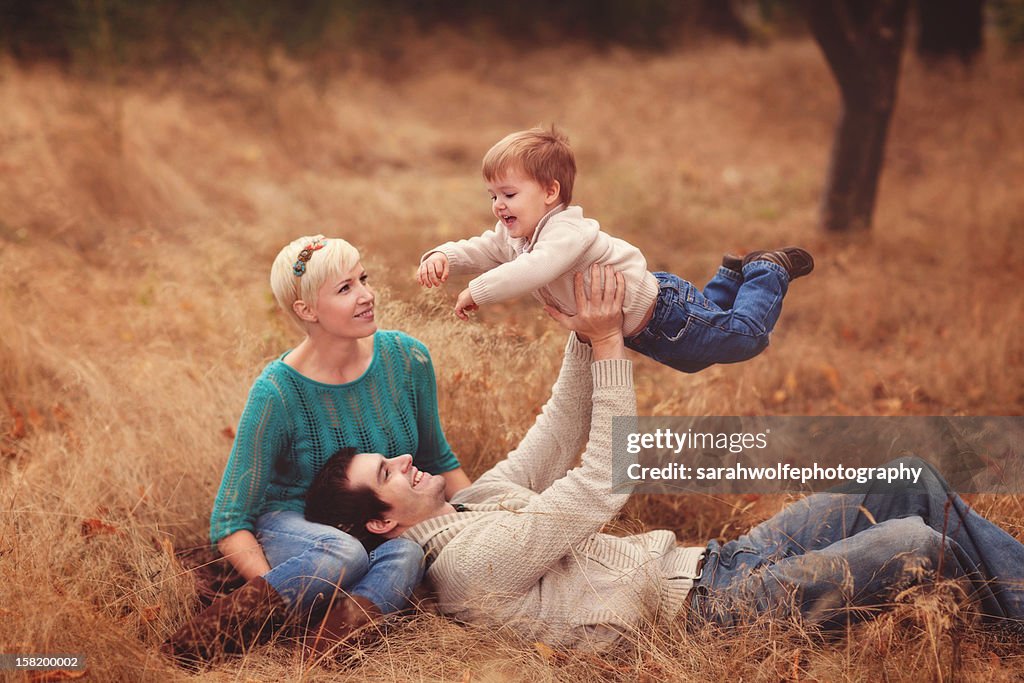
(139, 214)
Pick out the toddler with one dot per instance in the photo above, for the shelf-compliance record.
(540, 241)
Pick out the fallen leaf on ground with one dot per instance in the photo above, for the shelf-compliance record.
(96, 527)
(831, 376)
(60, 413)
(544, 651)
(17, 430)
(34, 418)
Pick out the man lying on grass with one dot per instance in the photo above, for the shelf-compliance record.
(522, 548)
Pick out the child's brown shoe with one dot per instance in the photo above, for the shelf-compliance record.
(733, 262)
(797, 262)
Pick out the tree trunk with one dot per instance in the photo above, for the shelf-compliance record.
(854, 169)
(862, 41)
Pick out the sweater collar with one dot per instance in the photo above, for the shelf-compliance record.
(435, 533)
(525, 244)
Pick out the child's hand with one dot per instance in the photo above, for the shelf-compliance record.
(465, 304)
(433, 270)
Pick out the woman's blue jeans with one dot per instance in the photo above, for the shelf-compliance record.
(834, 558)
(728, 322)
(309, 562)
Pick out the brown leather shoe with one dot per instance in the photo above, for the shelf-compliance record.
(230, 625)
(733, 262)
(348, 615)
(797, 262)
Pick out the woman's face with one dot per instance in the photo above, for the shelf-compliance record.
(344, 305)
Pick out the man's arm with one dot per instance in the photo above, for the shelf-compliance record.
(538, 535)
(508, 553)
(569, 407)
(552, 445)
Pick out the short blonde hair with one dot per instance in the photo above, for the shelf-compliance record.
(541, 153)
(334, 259)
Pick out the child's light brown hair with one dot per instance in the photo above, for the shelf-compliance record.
(541, 153)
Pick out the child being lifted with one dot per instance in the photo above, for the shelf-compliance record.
(540, 241)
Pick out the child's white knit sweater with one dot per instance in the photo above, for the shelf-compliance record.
(564, 243)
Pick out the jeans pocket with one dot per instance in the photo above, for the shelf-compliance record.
(684, 317)
(692, 339)
(734, 556)
(677, 329)
(674, 321)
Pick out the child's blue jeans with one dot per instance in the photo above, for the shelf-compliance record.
(728, 322)
(836, 558)
(309, 562)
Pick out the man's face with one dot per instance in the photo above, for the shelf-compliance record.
(412, 494)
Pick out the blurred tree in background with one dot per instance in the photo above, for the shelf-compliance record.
(862, 41)
(144, 31)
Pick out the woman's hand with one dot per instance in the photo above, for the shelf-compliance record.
(244, 553)
(598, 312)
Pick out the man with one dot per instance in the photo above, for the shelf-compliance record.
(522, 547)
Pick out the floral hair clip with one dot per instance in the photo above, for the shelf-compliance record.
(299, 267)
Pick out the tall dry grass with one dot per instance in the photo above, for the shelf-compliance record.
(139, 216)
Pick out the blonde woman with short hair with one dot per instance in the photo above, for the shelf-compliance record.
(346, 385)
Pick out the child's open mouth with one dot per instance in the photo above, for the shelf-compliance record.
(508, 220)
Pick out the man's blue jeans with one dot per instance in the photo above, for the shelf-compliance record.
(835, 558)
(730, 321)
(310, 561)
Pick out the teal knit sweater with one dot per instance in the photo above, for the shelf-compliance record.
(291, 425)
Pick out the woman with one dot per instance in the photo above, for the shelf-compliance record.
(344, 385)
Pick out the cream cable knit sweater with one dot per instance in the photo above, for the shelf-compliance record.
(528, 553)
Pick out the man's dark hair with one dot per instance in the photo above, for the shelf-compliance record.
(332, 500)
